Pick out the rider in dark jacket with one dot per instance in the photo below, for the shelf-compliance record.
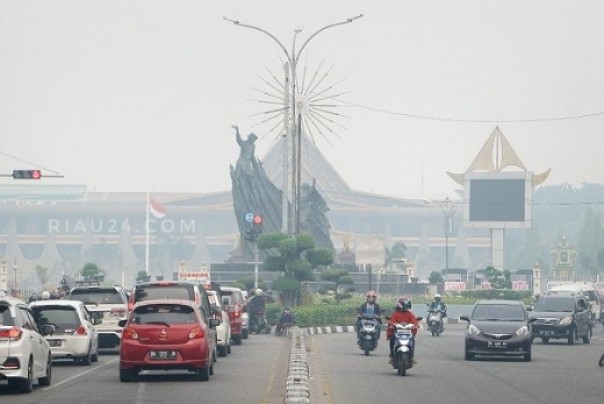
(370, 307)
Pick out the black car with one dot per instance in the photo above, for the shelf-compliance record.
(562, 316)
(498, 328)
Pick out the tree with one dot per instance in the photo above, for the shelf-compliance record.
(397, 251)
(91, 269)
(296, 259)
(43, 274)
(340, 278)
(436, 277)
(498, 279)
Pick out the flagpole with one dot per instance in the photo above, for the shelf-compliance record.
(147, 237)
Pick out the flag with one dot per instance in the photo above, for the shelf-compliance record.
(157, 211)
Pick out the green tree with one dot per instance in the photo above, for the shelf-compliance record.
(341, 280)
(397, 251)
(498, 279)
(436, 277)
(295, 258)
(90, 269)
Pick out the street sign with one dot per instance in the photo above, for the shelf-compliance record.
(249, 217)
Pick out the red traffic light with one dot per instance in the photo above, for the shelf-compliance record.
(257, 219)
(27, 174)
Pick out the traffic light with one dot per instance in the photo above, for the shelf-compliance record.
(249, 235)
(257, 225)
(27, 174)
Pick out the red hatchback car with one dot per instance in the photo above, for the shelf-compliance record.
(166, 335)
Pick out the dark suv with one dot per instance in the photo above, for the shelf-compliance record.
(562, 316)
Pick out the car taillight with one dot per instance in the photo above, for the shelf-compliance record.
(11, 334)
(81, 330)
(118, 312)
(11, 363)
(129, 333)
(196, 333)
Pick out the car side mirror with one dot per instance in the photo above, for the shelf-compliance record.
(465, 318)
(47, 329)
(420, 318)
(122, 322)
(213, 323)
(96, 320)
(225, 301)
(529, 308)
(532, 319)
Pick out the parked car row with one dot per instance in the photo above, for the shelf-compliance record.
(156, 326)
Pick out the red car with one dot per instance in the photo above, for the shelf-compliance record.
(233, 300)
(167, 335)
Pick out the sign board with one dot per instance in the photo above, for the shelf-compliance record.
(198, 277)
(249, 217)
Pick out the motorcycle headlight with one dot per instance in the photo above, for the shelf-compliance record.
(522, 331)
(566, 321)
(472, 329)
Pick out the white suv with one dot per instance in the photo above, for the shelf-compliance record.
(107, 302)
(223, 331)
(24, 353)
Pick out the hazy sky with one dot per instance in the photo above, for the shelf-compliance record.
(140, 95)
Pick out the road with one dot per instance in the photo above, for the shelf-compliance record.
(255, 372)
(558, 373)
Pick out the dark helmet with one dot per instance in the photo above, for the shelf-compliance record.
(403, 303)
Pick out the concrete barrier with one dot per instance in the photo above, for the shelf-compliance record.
(297, 388)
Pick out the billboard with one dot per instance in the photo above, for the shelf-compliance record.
(498, 200)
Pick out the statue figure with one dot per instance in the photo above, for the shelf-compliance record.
(247, 153)
(313, 218)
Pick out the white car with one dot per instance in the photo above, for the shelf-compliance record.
(74, 335)
(223, 331)
(24, 353)
(107, 302)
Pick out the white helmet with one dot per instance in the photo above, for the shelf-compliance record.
(259, 292)
(437, 296)
(45, 295)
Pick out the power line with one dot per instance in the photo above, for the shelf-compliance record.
(28, 162)
(459, 120)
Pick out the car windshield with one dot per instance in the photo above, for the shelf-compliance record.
(151, 292)
(555, 304)
(65, 318)
(501, 312)
(164, 314)
(97, 296)
(5, 318)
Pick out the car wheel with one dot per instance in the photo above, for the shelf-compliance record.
(245, 334)
(24, 385)
(469, 356)
(86, 359)
(229, 349)
(222, 351)
(237, 339)
(126, 375)
(45, 381)
(545, 340)
(587, 337)
(527, 356)
(572, 337)
(203, 374)
(95, 356)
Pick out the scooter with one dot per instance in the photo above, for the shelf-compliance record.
(435, 322)
(404, 342)
(369, 332)
(258, 323)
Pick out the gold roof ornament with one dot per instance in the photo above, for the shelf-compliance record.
(496, 155)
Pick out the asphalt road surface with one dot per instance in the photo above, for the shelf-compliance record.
(255, 372)
(558, 373)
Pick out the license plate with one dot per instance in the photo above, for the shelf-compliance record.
(546, 332)
(497, 344)
(54, 342)
(162, 355)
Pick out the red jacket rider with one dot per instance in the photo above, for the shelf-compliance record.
(401, 316)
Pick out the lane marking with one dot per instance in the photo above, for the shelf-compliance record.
(272, 374)
(140, 393)
(94, 369)
(327, 394)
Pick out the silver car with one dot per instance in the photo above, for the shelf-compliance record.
(74, 335)
(223, 331)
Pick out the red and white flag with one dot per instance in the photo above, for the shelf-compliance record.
(157, 211)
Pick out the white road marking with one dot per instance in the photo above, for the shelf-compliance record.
(55, 385)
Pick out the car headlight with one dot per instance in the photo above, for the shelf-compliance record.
(472, 329)
(522, 331)
(566, 321)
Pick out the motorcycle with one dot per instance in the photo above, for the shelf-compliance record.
(601, 362)
(404, 342)
(258, 323)
(369, 330)
(435, 321)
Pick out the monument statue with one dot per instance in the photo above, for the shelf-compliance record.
(313, 218)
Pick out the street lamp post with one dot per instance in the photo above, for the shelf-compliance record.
(448, 208)
(295, 130)
(15, 280)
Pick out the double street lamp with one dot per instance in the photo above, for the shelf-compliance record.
(295, 131)
(448, 208)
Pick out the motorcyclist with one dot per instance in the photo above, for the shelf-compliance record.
(286, 319)
(255, 304)
(369, 308)
(438, 305)
(403, 315)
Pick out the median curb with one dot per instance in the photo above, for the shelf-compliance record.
(297, 388)
(337, 329)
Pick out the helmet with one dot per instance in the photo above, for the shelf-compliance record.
(371, 294)
(259, 292)
(437, 296)
(45, 295)
(403, 303)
